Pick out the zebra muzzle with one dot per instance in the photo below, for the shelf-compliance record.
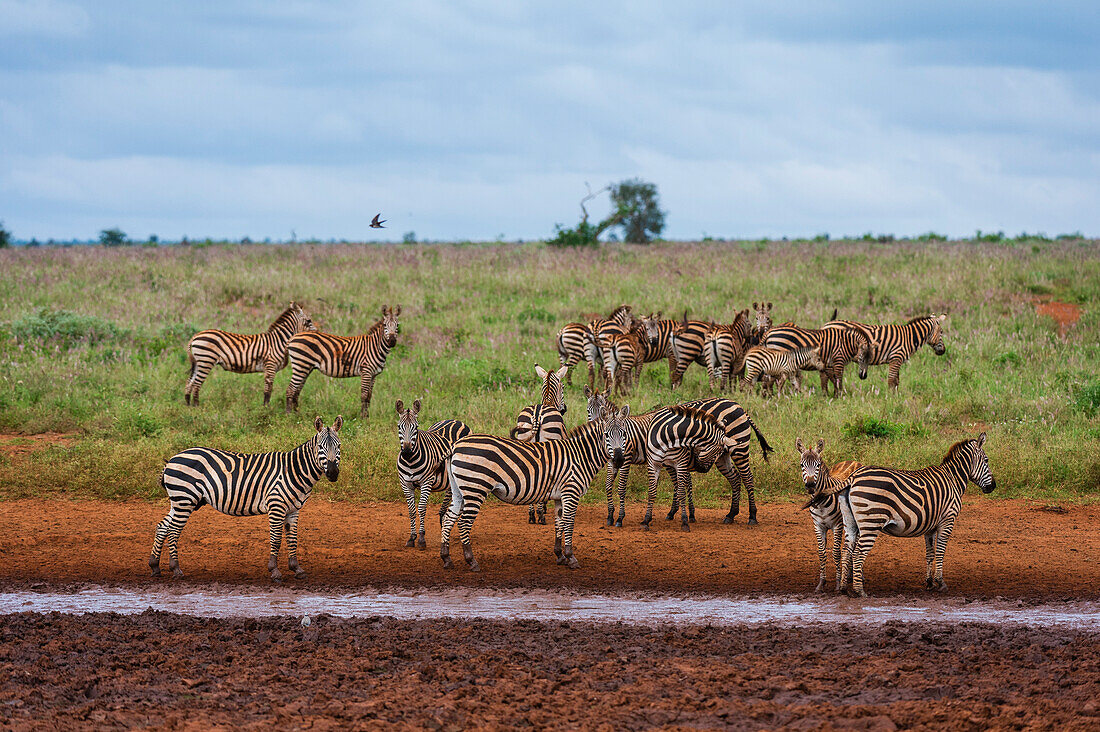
(332, 473)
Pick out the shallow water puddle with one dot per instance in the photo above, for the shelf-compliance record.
(550, 605)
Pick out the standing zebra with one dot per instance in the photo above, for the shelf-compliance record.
(761, 361)
(894, 344)
(543, 421)
(763, 322)
(724, 349)
(244, 353)
(575, 341)
(239, 484)
(912, 503)
(837, 346)
(823, 484)
(524, 473)
(681, 440)
(343, 357)
(687, 347)
(623, 357)
(421, 462)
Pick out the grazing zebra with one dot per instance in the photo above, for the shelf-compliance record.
(244, 353)
(837, 346)
(823, 484)
(762, 361)
(343, 357)
(912, 503)
(575, 341)
(724, 350)
(543, 421)
(239, 484)
(687, 347)
(680, 440)
(763, 322)
(894, 344)
(524, 473)
(421, 462)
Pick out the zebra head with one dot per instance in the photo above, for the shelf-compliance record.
(652, 325)
(763, 321)
(615, 436)
(863, 353)
(935, 336)
(390, 326)
(979, 467)
(813, 465)
(302, 322)
(598, 405)
(708, 454)
(408, 430)
(552, 393)
(328, 447)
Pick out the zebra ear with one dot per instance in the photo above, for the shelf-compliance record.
(319, 424)
(338, 423)
(385, 310)
(541, 372)
(798, 445)
(416, 407)
(588, 393)
(562, 372)
(769, 308)
(396, 312)
(820, 445)
(624, 412)
(400, 407)
(981, 439)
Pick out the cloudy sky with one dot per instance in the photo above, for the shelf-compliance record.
(484, 119)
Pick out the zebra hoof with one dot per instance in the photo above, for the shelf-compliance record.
(619, 523)
(420, 543)
(573, 563)
(753, 522)
(929, 584)
(299, 573)
(447, 563)
(727, 519)
(691, 518)
(531, 517)
(474, 566)
(941, 586)
(820, 586)
(685, 527)
(671, 515)
(542, 519)
(276, 575)
(154, 564)
(177, 573)
(411, 541)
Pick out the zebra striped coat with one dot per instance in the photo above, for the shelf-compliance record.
(892, 345)
(912, 503)
(687, 347)
(341, 357)
(837, 346)
(421, 463)
(724, 350)
(823, 484)
(523, 473)
(761, 361)
(543, 421)
(244, 353)
(763, 322)
(575, 341)
(623, 356)
(240, 484)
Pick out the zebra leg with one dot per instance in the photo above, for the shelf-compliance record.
(422, 512)
(624, 472)
(741, 459)
(683, 491)
(726, 468)
(821, 556)
(941, 548)
(448, 522)
(609, 489)
(270, 367)
(866, 541)
(691, 501)
(176, 518)
(410, 502)
(559, 528)
(569, 500)
(163, 528)
(470, 508)
(298, 378)
(893, 379)
(198, 375)
(654, 474)
(838, 540)
(675, 495)
(276, 517)
(292, 546)
(365, 391)
(540, 513)
(929, 558)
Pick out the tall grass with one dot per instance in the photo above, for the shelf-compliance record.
(93, 341)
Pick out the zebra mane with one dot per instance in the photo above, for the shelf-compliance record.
(955, 449)
(693, 412)
(918, 319)
(284, 316)
(584, 428)
(377, 326)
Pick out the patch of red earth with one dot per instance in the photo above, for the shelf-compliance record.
(1065, 314)
(13, 445)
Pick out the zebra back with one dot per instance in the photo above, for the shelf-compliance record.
(677, 427)
(735, 422)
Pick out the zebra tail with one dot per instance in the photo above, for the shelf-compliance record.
(764, 446)
(834, 314)
(512, 432)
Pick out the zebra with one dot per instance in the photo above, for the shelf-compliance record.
(244, 353)
(837, 346)
(240, 484)
(763, 322)
(894, 344)
(724, 350)
(681, 440)
(623, 357)
(343, 357)
(687, 347)
(912, 503)
(822, 484)
(762, 361)
(524, 473)
(421, 461)
(597, 404)
(543, 421)
(575, 341)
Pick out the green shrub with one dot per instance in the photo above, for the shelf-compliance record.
(1087, 398)
(1008, 358)
(585, 235)
(64, 329)
(879, 429)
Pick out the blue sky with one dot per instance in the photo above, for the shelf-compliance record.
(486, 119)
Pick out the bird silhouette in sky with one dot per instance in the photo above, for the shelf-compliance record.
(377, 221)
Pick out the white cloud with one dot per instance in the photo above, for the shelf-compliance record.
(41, 17)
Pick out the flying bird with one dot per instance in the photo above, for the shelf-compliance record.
(377, 221)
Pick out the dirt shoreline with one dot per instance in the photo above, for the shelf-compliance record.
(1004, 548)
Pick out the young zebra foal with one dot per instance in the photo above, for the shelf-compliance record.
(761, 361)
(912, 503)
(422, 462)
(823, 484)
(239, 484)
(342, 357)
(244, 353)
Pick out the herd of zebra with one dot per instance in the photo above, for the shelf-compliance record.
(542, 461)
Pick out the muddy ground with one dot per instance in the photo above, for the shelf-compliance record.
(1004, 548)
(177, 672)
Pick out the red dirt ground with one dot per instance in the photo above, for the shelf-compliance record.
(1064, 313)
(1006, 548)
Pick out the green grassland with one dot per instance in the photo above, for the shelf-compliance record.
(92, 341)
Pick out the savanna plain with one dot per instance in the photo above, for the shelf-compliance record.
(92, 369)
